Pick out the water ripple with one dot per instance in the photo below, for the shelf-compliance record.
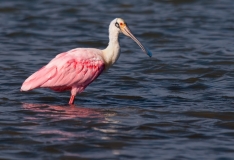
(176, 105)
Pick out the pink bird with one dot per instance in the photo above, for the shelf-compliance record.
(75, 69)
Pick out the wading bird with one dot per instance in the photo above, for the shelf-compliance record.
(75, 69)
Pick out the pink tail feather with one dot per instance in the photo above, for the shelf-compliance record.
(38, 78)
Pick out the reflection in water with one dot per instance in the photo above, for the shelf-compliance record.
(61, 120)
(63, 112)
(67, 122)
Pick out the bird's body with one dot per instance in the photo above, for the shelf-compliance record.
(72, 70)
(76, 69)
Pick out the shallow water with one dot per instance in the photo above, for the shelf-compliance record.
(176, 105)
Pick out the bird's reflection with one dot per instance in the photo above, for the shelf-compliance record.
(98, 119)
(63, 112)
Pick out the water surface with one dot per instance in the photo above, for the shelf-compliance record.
(176, 105)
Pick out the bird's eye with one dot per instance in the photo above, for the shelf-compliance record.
(121, 23)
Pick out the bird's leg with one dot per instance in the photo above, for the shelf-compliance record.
(72, 99)
(74, 91)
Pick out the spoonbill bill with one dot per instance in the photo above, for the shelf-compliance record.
(75, 69)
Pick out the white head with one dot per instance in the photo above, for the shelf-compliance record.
(118, 25)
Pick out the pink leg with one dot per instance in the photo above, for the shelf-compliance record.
(72, 99)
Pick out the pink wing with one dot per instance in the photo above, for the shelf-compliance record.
(75, 68)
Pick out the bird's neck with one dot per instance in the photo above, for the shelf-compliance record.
(111, 53)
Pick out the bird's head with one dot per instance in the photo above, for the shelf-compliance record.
(122, 27)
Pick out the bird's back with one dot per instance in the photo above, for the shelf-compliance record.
(75, 68)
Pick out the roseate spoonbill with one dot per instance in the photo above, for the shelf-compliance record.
(75, 69)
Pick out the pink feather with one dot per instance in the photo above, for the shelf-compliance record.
(73, 70)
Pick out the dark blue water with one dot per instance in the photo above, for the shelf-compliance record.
(176, 105)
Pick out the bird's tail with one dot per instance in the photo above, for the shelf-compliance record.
(38, 78)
